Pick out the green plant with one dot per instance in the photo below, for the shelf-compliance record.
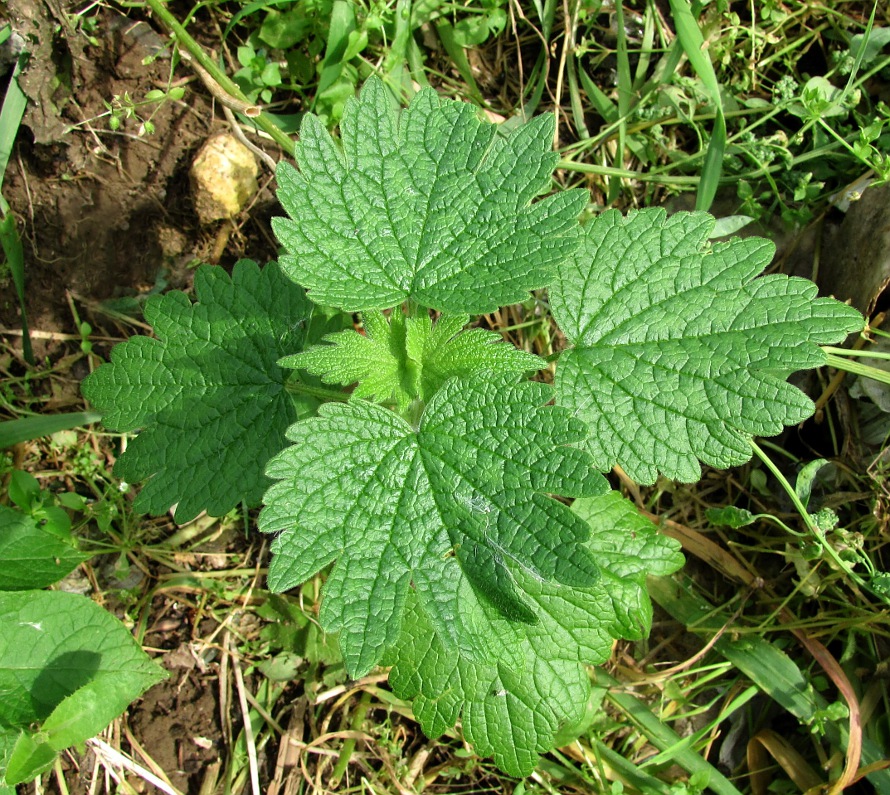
(11, 112)
(123, 108)
(748, 112)
(67, 666)
(440, 484)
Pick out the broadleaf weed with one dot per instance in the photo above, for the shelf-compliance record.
(453, 562)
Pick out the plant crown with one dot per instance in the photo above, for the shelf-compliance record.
(432, 487)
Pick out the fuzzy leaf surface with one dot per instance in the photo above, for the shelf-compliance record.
(404, 358)
(208, 395)
(428, 203)
(681, 353)
(532, 680)
(463, 498)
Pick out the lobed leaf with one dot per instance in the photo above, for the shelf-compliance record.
(401, 359)
(680, 353)
(430, 204)
(462, 498)
(531, 680)
(208, 395)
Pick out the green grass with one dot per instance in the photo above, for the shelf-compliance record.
(11, 113)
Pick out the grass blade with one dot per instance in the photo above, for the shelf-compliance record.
(625, 100)
(457, 55)
(342, 24)
(693, 44)
(15, 258)
(10, 118)
(771, 669)
(15, 431)
(601, 103)
(664, 737)
(628, 772)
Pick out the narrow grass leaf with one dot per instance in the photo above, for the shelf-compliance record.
(625, 99)
(862, 47)
(459, 57)
(397, 56)
(11, 113)
(15, 431)
(575, 99)
(15, 259)
(693, 43)
(601, 103)
(768, 743)
(341, 25)
(628, 772)
(768, 667)
(663, 737)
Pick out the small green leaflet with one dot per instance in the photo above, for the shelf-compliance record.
(430, 204)
(680, 352)
(463, 498)
(522, 683)
(207, 395)
(408, 358)
(33, 555)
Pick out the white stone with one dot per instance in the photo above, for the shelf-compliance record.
(223, 177)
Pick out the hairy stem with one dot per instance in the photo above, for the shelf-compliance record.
(296, 387)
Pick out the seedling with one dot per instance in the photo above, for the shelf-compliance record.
(432, 487)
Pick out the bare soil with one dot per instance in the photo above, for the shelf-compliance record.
(104, 214)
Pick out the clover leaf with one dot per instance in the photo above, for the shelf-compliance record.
(428, 203)
(207, 395)
(516, 685)
(680, 353)
(461, 498)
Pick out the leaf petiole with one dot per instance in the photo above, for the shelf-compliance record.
(296, 387)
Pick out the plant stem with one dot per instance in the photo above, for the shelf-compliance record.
(811, 525)
(320, 392)
(263, 120)
(857, 368)
(854, 353)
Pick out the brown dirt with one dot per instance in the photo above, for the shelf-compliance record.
(177, 722)
(102, 213)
